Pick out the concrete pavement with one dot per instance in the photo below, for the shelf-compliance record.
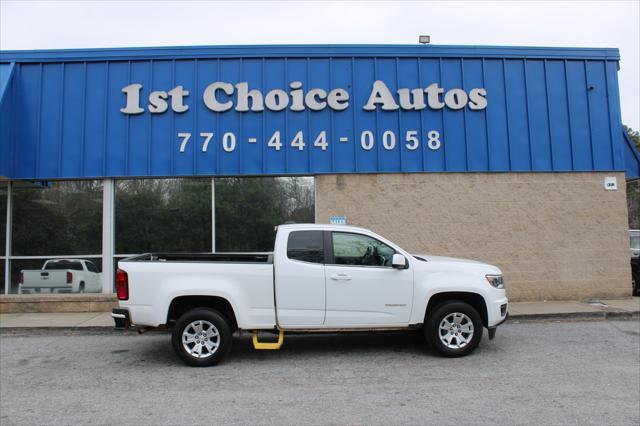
(532, 373)
(623, 308)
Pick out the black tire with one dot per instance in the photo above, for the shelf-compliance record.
(433, 333)
(210, 316)
(81, 288)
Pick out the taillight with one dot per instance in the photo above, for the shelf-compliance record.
(122, 285)
(69, 277)
(21, 278)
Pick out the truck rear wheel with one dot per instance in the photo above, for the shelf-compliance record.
(453, 329)
(201, 337)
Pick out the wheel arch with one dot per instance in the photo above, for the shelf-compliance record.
(181, 304)
(474, 299)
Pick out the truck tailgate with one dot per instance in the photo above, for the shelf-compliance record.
(45, 279)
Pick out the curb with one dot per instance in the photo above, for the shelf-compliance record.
(69, 330)
(568, 316)
(600, 315)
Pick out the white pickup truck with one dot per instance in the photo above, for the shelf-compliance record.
(61, 276)
(320, 278)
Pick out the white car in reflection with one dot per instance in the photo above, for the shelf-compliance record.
(61, 276)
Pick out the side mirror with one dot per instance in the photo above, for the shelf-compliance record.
(398, 261)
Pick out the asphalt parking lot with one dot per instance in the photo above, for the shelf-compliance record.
(583, 372)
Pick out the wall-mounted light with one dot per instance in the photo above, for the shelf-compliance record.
(424, 39)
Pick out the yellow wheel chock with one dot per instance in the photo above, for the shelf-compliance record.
(273, 346)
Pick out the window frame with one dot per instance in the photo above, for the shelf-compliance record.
(332, 261)
(324, 247)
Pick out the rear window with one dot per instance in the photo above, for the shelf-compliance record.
(306, 246)
(64, 264)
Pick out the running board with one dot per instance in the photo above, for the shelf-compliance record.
(273, 346)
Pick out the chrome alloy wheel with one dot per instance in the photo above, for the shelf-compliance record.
(200, 339)
(456, 330)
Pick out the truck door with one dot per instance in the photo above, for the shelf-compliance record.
(299, 280)
(362, 286)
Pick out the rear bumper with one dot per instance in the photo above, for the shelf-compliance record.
(121, 318)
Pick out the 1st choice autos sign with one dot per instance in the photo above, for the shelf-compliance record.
(221, 96)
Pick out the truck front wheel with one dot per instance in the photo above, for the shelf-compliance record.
(453, 329)
(201, 337)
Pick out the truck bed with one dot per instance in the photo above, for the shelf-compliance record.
(156, 279)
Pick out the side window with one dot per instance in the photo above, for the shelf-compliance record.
(91, 267)
(306, 246)
(360, 250)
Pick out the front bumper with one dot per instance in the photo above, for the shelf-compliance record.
(492, 330)
(122, 318)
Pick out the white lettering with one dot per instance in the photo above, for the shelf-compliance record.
(297, 103)
(477, 99)
(276, 100)
(312, 99)
(177, 99)
(210, 99)
(380, 94)
(157, 102)
(338, 99)
(433, 96)
(132, 94)
(456, 98)
(243, 98)
(418, 99)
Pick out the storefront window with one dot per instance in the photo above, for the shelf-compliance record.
(3, 231)
(52, 221)
(3, 217)
(2, 269)
(57, 218)
(154, 215)
(248, 209)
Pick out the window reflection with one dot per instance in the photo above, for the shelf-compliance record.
(155, 215)
(57, 218)
(3, 219)
(2, 276)
(3, 231)
(247, 209)
(53, 276)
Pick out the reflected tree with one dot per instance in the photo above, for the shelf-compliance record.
(248, 209)
(57, 218)
(163, 215)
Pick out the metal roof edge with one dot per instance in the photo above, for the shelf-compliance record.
(312, 50)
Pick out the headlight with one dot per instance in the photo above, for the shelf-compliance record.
(495, 280)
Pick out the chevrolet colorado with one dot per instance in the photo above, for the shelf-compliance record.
(319, 278)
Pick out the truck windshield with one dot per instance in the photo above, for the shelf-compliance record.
(64, 264)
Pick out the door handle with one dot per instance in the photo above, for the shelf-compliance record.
(341, 277)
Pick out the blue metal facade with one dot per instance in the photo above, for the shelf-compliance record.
(548, 109)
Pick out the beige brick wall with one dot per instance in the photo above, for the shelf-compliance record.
(555, 235)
